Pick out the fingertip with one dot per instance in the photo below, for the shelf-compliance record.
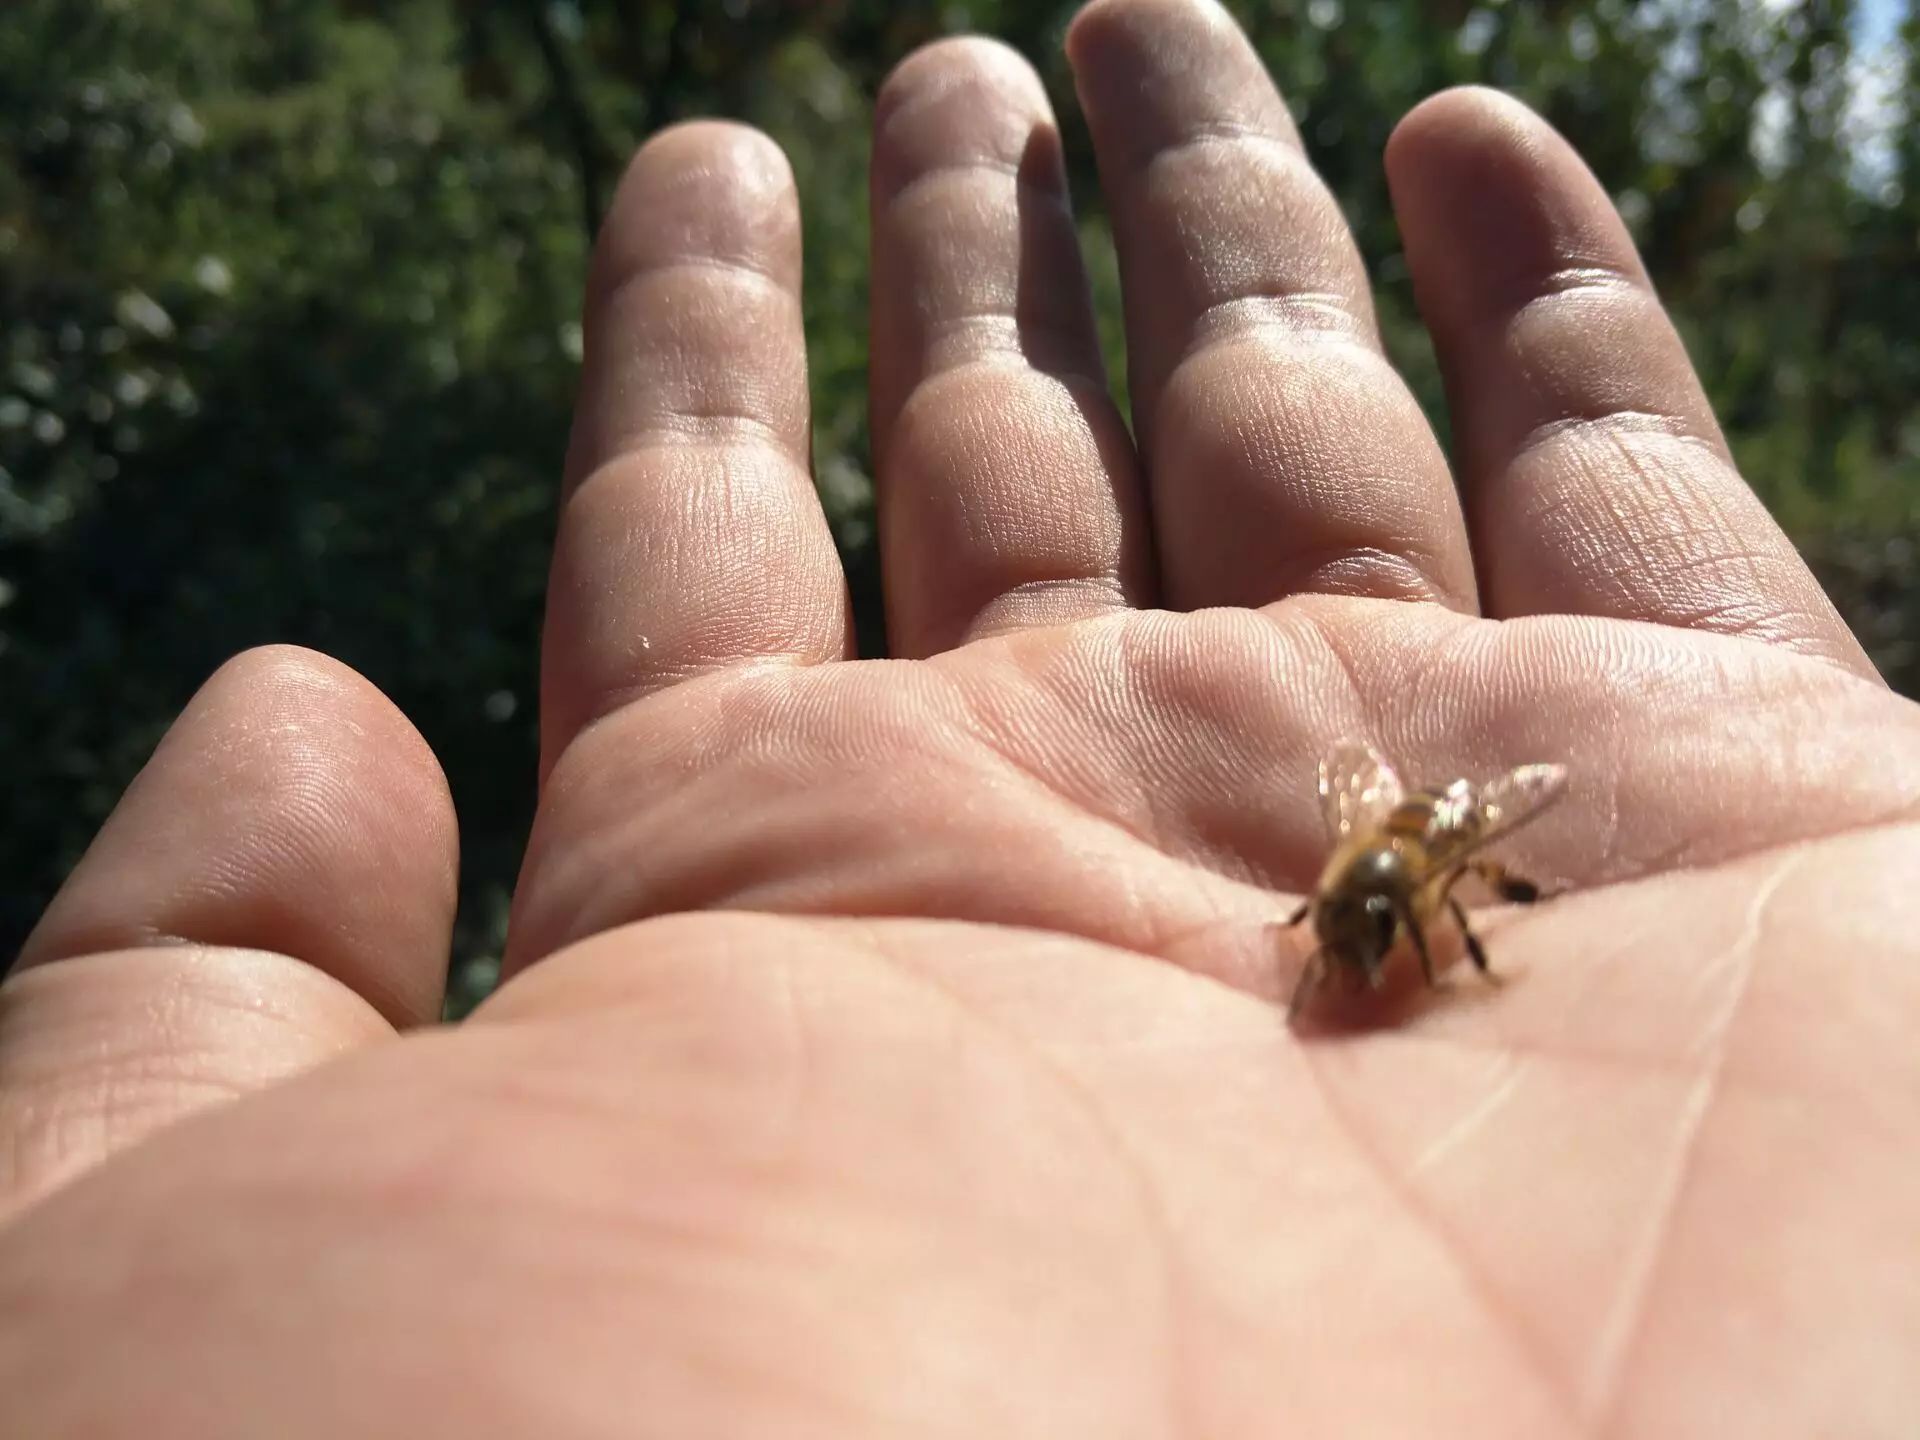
(291, 808)
(1459, 124)
(715, 190)
(702, 238)
(1150, 72)
(361, 719)
(1462, 149)
(1087, 31)
(958, 61)
(706, 148)
(966, 100)
(1104, 30)
(1476, 174)
(390, 782)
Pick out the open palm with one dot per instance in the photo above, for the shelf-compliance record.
(896, 1047)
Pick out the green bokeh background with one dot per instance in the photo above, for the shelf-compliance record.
(289, 289)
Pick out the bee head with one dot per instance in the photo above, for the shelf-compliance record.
(1356, 930)
(1355, 916)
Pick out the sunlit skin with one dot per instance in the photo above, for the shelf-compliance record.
(899, 1048)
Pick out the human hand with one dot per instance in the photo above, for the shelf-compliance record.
(896, 1047)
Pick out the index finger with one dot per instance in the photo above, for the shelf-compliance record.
(1596, 479)
(690, 535)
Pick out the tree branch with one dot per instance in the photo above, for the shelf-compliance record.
(592, 155)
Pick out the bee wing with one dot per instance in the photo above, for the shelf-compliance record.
(1357, 787)
(1500, 807)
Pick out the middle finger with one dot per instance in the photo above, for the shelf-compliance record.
(1284, 453)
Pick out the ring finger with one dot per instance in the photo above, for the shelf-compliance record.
(1596, 477)
(1008, 490)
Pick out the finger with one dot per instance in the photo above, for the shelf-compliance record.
(690, 537)
(276, 886)
(1284, 453)
(1008, 490)
(1596, 479)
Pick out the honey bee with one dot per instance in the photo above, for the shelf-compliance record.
(1397, 856)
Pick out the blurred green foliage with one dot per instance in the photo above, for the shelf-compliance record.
(288, 301)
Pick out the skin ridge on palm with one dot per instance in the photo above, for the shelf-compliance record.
(1132, 780)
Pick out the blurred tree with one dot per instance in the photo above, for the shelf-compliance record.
(288, 300)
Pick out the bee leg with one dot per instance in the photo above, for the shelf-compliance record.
(1300, 914)
(1304, 987)
(1474, 948)
(1507, 885)
(1420, 946)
